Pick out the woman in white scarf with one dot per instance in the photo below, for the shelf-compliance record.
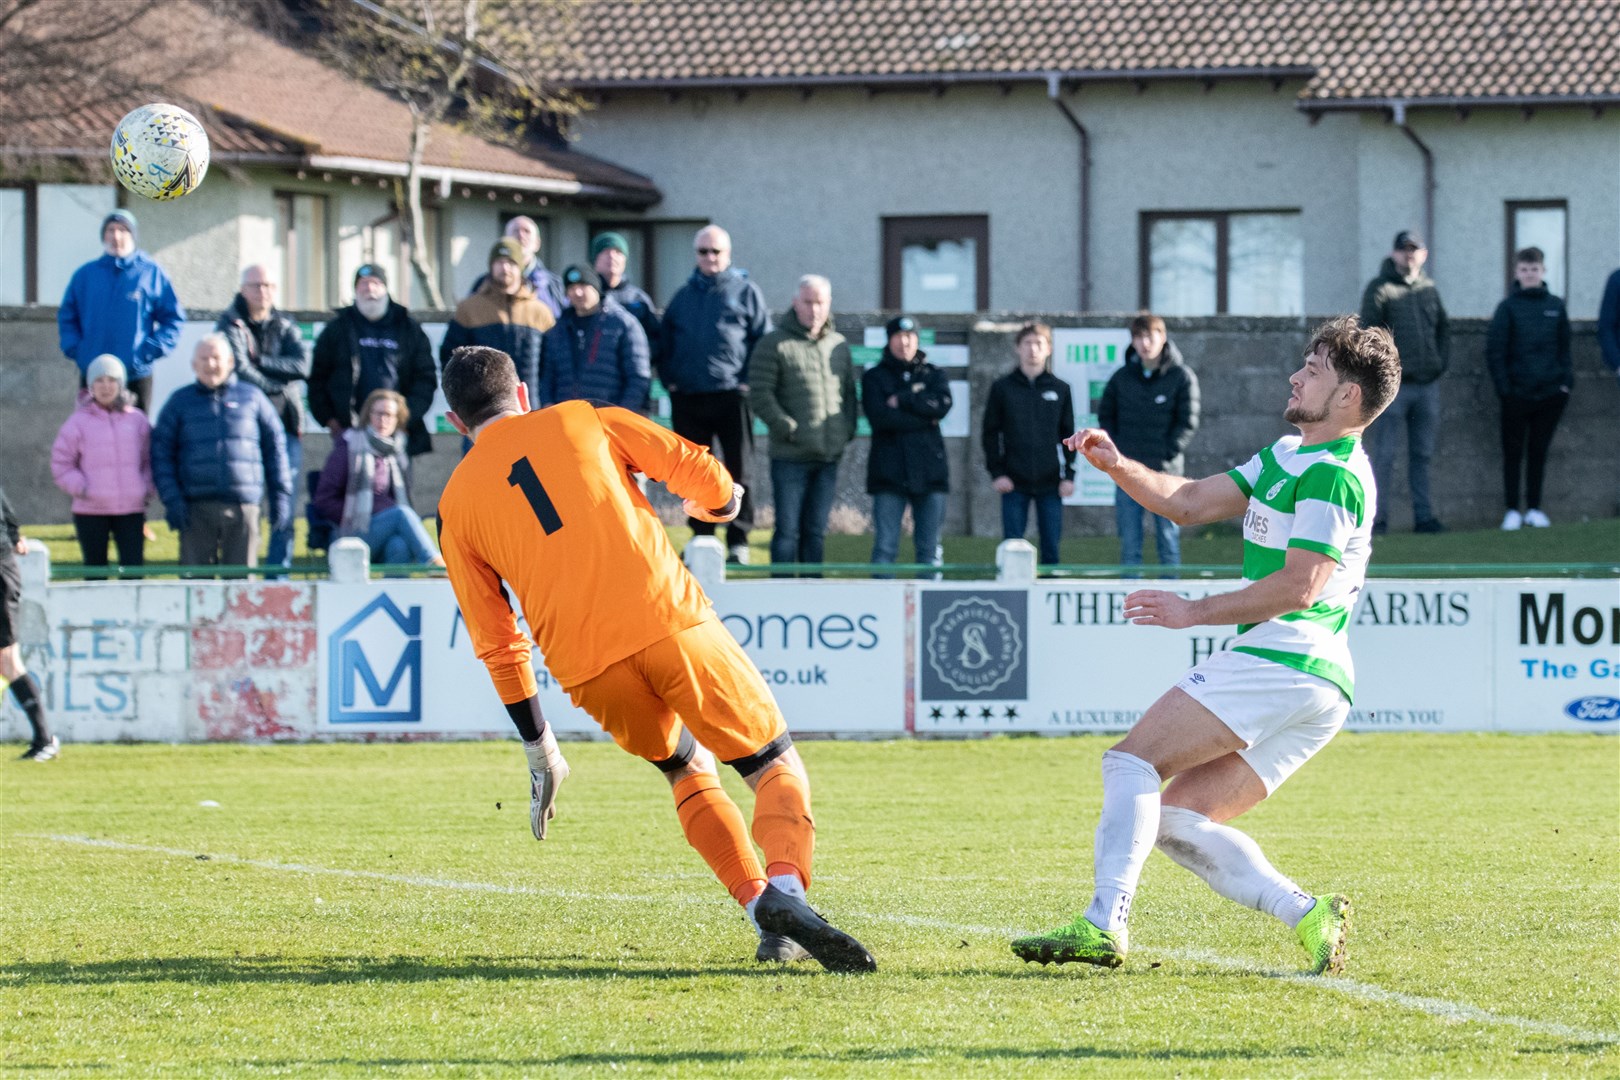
(363, 486)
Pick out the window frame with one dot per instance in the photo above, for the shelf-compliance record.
(900, 230)
(30, 268)
(1223, 255)
(1510, 209)
(285, 200)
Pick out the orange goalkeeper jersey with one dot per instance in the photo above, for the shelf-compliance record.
(546, 502)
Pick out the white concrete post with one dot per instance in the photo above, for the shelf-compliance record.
(1015, 562)
(35, 566)
(705, 556)
(348, 561)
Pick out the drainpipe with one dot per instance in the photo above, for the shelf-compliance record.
(1428, 172)
(1053, 88)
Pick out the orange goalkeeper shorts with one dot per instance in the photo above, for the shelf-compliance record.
(699, 677)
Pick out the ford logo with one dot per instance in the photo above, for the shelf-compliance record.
(1594, 709)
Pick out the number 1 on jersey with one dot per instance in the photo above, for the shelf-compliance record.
(522, 476)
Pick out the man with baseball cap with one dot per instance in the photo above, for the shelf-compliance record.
(121, 303)
(503, 313)
(1403, 300)
(597, 352)
(373, 344)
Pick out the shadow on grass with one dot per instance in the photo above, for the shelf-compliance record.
(326, 970)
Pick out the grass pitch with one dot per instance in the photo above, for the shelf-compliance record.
(382, 910)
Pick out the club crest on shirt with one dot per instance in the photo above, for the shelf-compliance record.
(1278, 486)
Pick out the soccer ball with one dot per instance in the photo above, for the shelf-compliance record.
(160, 152)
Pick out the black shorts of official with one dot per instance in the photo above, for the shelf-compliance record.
(10, 601)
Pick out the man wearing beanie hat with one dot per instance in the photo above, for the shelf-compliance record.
(610, 255)
(905, 398)
(123, 304)
(503, 313)
(373, 344)
(542, 282)
(1403, 300)
(597, 352)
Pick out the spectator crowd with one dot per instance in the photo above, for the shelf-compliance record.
(226, 449)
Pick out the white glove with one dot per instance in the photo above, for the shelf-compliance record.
(547, 771)
(716, 517)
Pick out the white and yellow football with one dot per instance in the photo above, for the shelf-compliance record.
(160, 152)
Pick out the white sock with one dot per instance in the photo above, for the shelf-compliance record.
(1231, 863)
(1125, 831)
(790, 884)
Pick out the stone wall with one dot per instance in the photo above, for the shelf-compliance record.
(1242, 363)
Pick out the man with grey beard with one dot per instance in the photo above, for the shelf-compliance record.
(373, 344)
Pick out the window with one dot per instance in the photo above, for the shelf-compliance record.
(936, 264)
(1223, 263)
(14, 260)
(1543, 224)
(68, 220)
(301, 248)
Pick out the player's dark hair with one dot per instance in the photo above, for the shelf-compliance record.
(480, 382)
(1532, 255)
(1364, 355)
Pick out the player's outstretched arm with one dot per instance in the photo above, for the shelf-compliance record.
(1293, 588)
(687, 469)
(1184, 501)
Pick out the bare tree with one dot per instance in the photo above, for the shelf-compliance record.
(479, 64)
(62, 56)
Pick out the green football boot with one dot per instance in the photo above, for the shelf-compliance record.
(1080, 941)
(1324, 932)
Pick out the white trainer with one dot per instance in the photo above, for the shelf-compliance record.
(1536, 519)
(1512, 520)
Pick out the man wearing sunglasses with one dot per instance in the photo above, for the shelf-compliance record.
(711, 326)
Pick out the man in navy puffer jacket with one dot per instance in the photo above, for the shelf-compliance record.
(123, 304)
(217, 449)
(598, 352)
(712, 325)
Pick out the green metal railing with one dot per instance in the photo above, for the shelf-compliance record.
(955, 571)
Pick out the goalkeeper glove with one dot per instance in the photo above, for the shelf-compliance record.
(716, 517)
(547, 771)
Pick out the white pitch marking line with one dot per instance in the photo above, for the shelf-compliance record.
(1436, 1007)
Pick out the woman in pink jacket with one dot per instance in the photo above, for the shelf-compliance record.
(103, 458)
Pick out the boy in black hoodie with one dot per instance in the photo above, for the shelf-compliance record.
(1528, 352)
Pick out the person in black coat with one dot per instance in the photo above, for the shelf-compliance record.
(269, 351)
(1150, 409)
(373, 344)
(905, 397)
(1029, 413)
(1527, 350)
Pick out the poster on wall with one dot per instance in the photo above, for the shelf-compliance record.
(1557, 656)
(1085, 359)
(395, 657)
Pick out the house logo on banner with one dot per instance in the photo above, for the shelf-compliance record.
(975, 645)
(379, 632)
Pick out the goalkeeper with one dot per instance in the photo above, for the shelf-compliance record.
(546, 502)
(1239, 724)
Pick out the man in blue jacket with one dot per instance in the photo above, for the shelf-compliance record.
(122, 303)
(712, 324)
(598, 352)
(217, 449)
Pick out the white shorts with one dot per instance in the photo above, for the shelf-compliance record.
(1283, 715)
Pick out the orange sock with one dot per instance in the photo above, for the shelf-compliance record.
(714, 826)
(783, 826)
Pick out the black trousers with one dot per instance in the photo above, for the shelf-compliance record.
(93, 531)
(724, 418)
(1528, 425)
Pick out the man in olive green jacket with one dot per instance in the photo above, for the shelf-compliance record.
(801, 383)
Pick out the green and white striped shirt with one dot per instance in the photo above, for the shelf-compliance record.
(1320, 498)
